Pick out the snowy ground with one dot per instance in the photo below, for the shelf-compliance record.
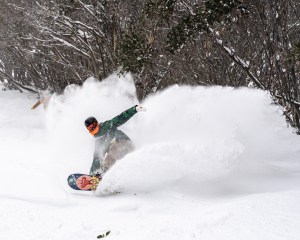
(211, 163)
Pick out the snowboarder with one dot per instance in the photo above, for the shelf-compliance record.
(111, 144)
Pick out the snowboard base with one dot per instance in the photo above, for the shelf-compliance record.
(83, 182)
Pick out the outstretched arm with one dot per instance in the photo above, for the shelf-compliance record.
(123, 117)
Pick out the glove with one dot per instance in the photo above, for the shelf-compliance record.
(140, 108)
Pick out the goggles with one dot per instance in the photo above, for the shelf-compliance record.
(93, 128)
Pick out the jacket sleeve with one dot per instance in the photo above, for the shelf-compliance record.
(121, 118)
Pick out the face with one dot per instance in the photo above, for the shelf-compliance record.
(93, 128)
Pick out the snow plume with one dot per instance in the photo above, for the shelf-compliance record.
(191, 139)
(73, 145)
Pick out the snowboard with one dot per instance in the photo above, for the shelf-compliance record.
(84, 182)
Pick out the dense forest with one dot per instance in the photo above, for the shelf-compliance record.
(255, 43)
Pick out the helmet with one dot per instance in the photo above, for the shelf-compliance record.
(90, 121)
(92, 125)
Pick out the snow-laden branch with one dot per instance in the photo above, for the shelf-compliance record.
(56, 37)
(294, 25)
(70, 23)
(2, 66)
(89, 11)
(297, 103)
(243, 64)
(66, 43)
(18, 85)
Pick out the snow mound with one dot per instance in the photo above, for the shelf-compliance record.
(172, 166)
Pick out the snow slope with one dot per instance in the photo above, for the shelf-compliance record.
(210, 163)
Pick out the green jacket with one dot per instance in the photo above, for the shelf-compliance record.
(107, 133)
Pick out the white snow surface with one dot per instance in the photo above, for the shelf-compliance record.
(210, 163)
